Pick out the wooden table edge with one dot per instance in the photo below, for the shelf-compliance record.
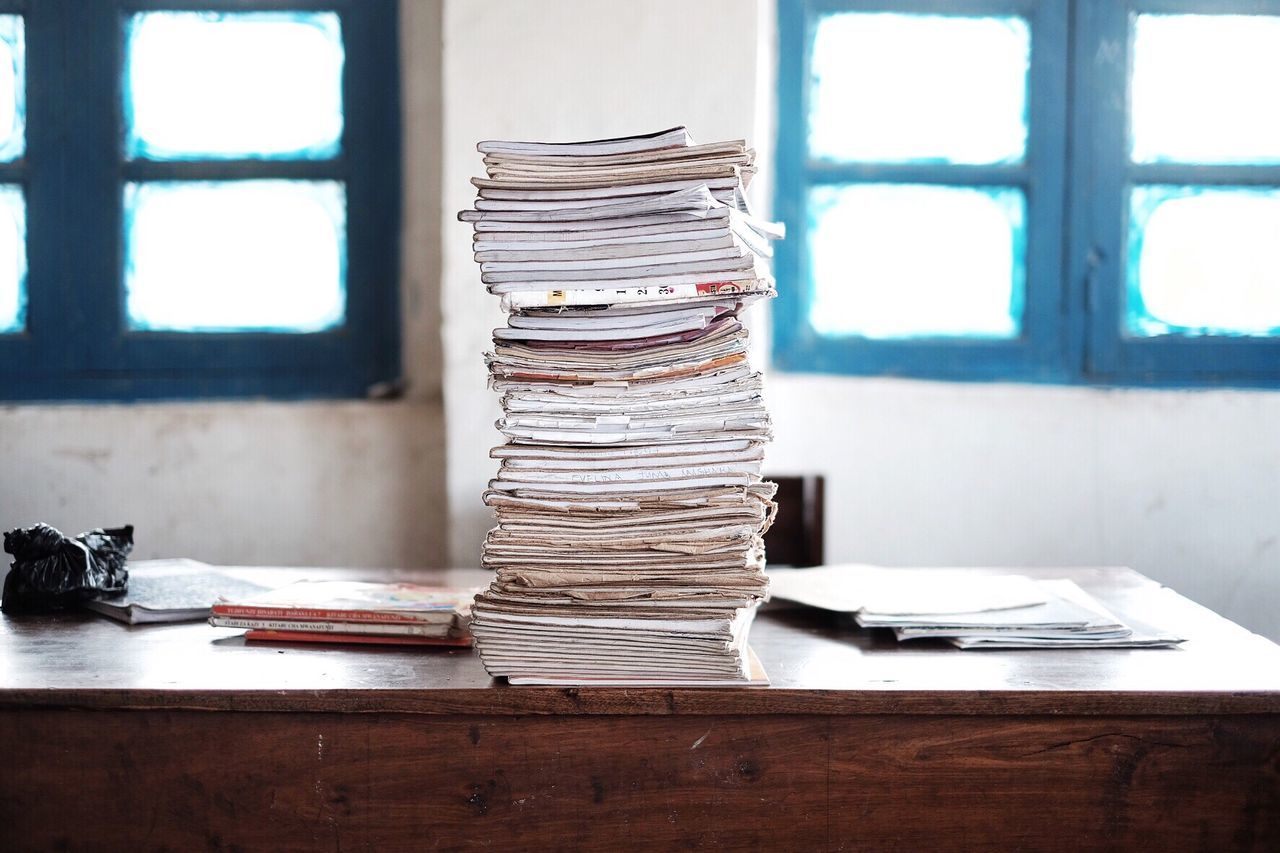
(518, 701)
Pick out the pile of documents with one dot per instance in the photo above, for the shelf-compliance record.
(628, 497)
(972, 609)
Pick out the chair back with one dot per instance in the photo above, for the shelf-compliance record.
(796, 537)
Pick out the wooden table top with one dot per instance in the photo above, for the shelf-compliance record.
(819, 663)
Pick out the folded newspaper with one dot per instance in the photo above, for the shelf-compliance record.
(628, 496)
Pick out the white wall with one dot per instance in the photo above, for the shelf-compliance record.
(1184, 486)
(318, 483)
(277, 484)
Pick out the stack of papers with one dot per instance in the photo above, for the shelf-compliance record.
(969, 609)
(628, 496)
(351, 612)
(618, 221)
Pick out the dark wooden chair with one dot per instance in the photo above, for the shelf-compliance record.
(796, 537)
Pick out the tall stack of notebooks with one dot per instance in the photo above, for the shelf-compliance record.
(628, 497)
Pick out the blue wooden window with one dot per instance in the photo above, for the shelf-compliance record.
(1095, 209)
(204, 199)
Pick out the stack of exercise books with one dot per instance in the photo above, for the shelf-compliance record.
(352, 612)
(629, 502)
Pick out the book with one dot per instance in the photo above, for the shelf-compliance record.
(353, 602)
(320, 626)
(693, 157)
(493, 222)
(675, 137)
(600, 190)
(560, 159)
(621, 179)
(557, 205)
(654, 244)
(618, 266)
(696, 289)
(649, 277)
(291, 636)
(754, 675)
(548, 235)
(698, 201)
(170, 591)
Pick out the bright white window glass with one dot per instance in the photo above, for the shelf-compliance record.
(1204, 89)
(897, 88)
(13, 88)
(1204, 261)
(13, 260)
(913, 261)
(235, 256)
(200, 85)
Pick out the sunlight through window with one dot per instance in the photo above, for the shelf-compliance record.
(1204, 261)
(911, 261)
(1204, 89)
(912, 88)
(13, 88)
(235, 255)
(200, 85)
(13, 259)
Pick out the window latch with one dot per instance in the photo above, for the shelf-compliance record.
(1093, 263)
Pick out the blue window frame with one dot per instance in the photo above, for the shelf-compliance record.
(77, 341)
(1088, 199)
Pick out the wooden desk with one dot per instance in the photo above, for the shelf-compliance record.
(185, 737)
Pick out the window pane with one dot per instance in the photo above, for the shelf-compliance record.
(1204, 262)
(13, 260)
(919, 88)
(200, 85)
(1204, 89)
(235, 256)
(13, 88)
(910, 261)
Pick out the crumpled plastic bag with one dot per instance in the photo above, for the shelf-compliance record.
(52, 572)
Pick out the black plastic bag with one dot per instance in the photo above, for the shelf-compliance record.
(53, 572)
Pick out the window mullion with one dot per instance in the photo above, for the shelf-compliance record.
(372, 138)
(52, 342)
(232, 170)
(1204, 174)
(1099, 126)
(85, 183)
(822, 172)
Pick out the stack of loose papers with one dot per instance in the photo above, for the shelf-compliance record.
(971, 610)
(628, 495)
